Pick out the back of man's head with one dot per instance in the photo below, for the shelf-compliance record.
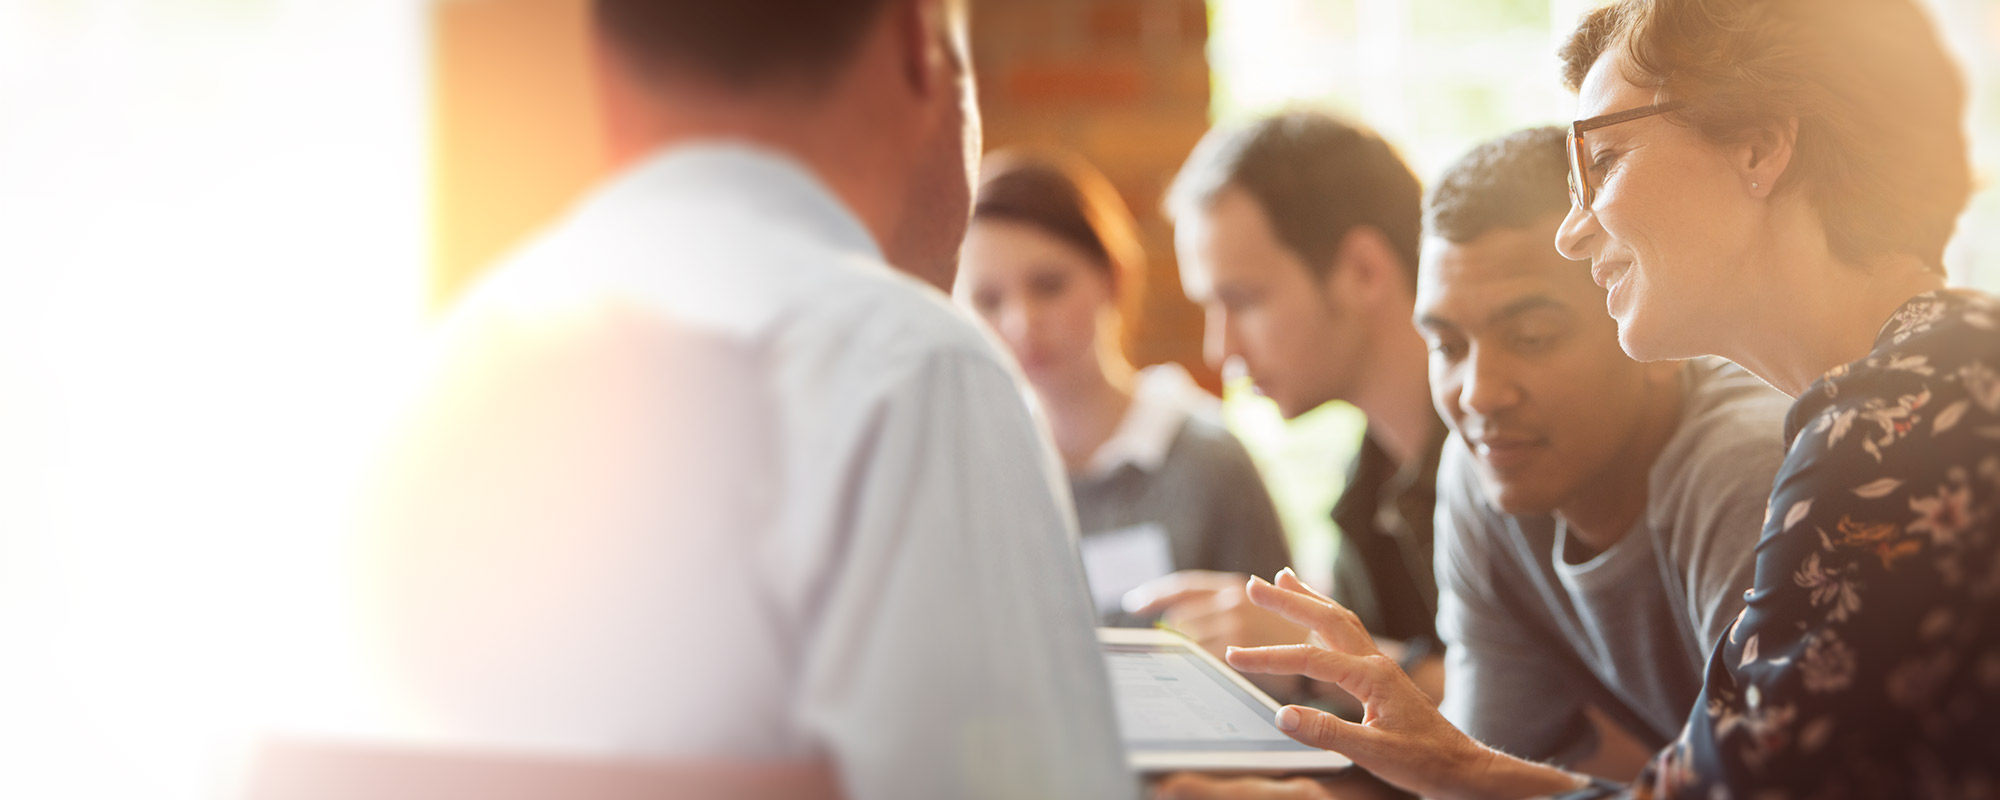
(1506, 183)
(874, 97)
(1316, 177)
(738, 44)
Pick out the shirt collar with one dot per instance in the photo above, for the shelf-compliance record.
(765, 182)
(1419, 478)
(1142, 439)
(1378, 486)
(1163, 397)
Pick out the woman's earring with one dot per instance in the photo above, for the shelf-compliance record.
(1753, 186)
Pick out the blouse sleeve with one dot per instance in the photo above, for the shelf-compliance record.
(1867, 659)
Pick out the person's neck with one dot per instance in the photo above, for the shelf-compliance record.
(1395, 393)
(1605, 508)
(1085, 411)
(1830, 315)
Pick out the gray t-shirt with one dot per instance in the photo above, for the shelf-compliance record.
(1531, 640)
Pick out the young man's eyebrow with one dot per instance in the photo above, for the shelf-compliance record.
(1533, 302)
(1516, 308)
(1434, 322)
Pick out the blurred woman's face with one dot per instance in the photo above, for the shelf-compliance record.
(1043, 295)
(1670, 230)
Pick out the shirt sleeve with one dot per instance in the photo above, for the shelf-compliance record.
(1717, 521)
(1244, 523)
(954, 655)
(1505, 683)
(581, 551)
(1712, 487)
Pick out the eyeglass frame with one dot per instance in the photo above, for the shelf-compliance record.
(1581, 193)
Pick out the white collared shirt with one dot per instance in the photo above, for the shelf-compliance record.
(701, 477)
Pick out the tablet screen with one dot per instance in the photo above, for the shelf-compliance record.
(1171, 699)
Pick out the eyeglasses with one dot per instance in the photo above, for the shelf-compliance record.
(1580, 191)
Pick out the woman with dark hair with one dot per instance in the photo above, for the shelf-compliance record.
(1774, 181)
(1159, 486)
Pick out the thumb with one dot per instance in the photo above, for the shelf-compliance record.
(1323, 730)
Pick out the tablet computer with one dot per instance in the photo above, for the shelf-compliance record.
(1181, 709)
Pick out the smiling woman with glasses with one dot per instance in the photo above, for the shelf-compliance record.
(1773, 181)
(1582, 192)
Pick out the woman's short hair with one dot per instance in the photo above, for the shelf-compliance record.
(1881, 152)
(1062, 195)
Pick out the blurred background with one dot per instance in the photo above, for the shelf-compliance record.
(225, 225)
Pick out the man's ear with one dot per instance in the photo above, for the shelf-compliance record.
(1762, 158)
(1366, 272)
(922, 31)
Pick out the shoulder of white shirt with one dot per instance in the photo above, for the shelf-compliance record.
(769, 247)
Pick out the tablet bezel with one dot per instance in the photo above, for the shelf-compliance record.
(1240, 761)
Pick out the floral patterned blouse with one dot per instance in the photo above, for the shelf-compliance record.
(1867, 662)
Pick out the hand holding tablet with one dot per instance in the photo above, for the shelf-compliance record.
(1403, 740)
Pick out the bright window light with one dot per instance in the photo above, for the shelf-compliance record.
(211, 253)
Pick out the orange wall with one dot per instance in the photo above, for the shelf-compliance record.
(1125, 85)
(514, 132)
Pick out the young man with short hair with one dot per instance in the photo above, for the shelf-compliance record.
(1597, 516)
(1298, 235)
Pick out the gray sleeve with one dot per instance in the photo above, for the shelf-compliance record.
(1505, 683)
(1243, 524)
(1721, 492)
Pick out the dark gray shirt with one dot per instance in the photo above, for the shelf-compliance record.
(1205, 493)
(1532, 640)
